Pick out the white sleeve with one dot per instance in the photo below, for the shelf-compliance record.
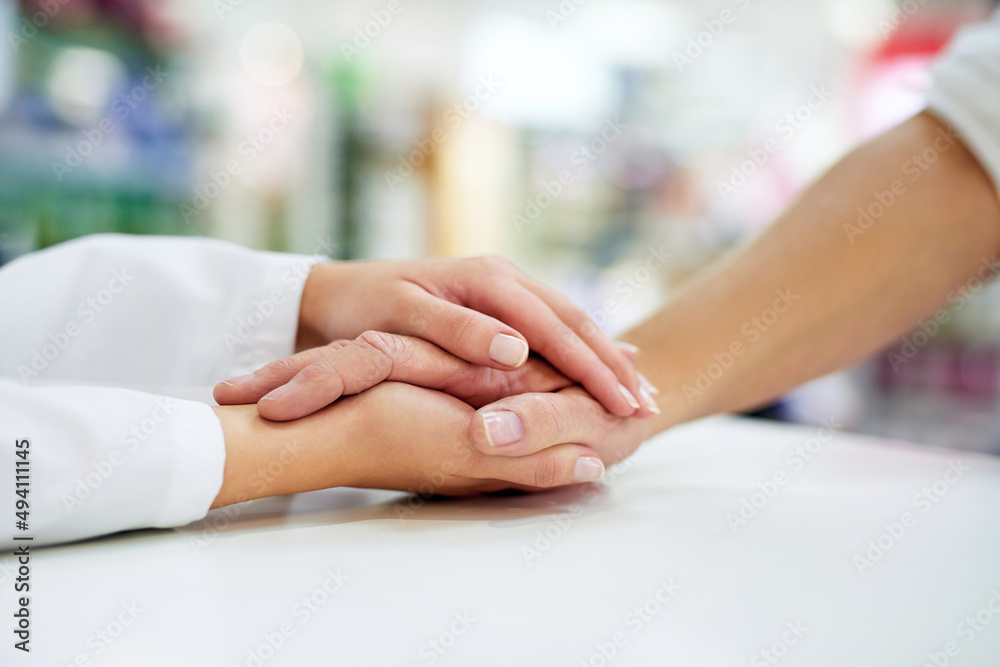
(133, 311)
(147, 311)
(966, 91)
(102, 460)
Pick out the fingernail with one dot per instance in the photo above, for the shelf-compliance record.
(649, 401)
(647, 385)
(508, 350)
(502, 428)
(627, 348)
(235, 382)
(628, 396)
(588, 469)
(277, 393)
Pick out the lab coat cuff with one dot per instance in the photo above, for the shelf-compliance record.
(198, 450)
(273, 317)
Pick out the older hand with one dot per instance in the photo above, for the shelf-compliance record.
(299, 385)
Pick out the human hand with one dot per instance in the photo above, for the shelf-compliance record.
(482, 310)
(525, 424)
(299, 385)
(393, 436)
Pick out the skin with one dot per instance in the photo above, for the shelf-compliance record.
(844, 301)
(461, 305)
(853, 299)
(368, 441)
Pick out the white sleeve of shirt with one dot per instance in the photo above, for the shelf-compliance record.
(147, 311)
(98, 460)
(966, 91)
(132, 311)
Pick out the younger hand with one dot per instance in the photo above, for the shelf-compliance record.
(482, 310)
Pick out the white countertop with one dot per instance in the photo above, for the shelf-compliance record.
(646, 568)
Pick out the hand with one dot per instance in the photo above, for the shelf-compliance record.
(393, 436)
(522, 425)
(299, 385)
(482, 310)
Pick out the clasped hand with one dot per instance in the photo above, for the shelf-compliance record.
(425, 374)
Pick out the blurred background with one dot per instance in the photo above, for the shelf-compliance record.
(611, 148)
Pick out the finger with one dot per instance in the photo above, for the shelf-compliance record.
(251, 388)
(528, 423)
(560, 465)
(556, 341)
(376, 357)
(466, 333)
(618, 356)
(630, 351)
(481, 386)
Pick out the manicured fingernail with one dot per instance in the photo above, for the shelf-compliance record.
(649, 401)
(628, 396)
(588, 469)
(627, 348)
(502, 428)
(647, 385)
(277, 393)
(235, 382)
(508, 350)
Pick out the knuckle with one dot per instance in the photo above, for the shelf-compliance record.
(547, 473)
(324, 371)
(390, 351)
(460, 327)
(277, 369)
(494, 264)
(553, 421)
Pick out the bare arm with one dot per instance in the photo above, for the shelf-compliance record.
(817, 291)
(847, 284)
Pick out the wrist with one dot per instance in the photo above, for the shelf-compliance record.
(265, 458)
(323, 289)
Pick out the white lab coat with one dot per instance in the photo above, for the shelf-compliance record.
(159, 312)
(109, 311)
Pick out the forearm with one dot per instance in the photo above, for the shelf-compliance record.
(265, 458)
(849, 287)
